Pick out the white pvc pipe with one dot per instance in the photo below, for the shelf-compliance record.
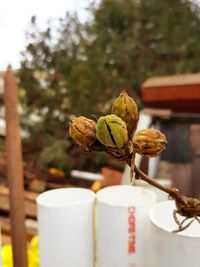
(172, 249)
(86, 175)
(123, 226)
(65, 224)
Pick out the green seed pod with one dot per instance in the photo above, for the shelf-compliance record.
(126, 108)
(149, 142)
(111, 131)
(83, 131)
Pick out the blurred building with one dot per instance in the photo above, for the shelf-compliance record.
(174, 104)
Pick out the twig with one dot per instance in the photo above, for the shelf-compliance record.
(147, 179)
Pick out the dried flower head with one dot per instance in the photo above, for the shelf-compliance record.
(83, 131)
(149, 142)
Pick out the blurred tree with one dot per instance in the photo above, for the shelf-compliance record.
(135, 39)
(75, 68)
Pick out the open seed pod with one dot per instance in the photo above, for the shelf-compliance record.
(111, 131)
(149, 142)
(83, 131)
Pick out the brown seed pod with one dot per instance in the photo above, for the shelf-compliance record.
(83, 131)
(125, 107)
(149, 142)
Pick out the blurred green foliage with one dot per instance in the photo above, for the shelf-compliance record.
(55, 155)
(79, 67)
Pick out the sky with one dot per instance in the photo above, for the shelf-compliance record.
(15, 17)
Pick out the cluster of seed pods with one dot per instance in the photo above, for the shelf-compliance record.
(116, 131)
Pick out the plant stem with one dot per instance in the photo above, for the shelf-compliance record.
(173, 192)
(129, 160)
(147, 179)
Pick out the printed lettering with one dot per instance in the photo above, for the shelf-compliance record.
(131, 230)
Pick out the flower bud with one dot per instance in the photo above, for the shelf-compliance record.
(83, 131)
(112, 132)
(126, 108)
(149, 142)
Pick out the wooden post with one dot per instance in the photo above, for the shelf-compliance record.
(15, 171)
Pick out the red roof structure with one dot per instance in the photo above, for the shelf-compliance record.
(180, 93)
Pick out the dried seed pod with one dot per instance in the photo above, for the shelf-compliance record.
(111, 131)
(149, 142)
(83, 131)
(126, 108)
